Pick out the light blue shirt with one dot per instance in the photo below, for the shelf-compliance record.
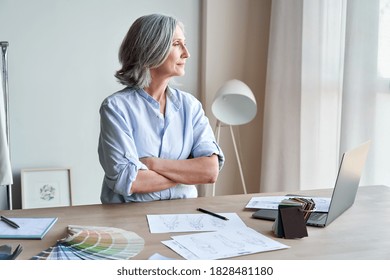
(132, 127)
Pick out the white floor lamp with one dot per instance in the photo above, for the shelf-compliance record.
(5, 164)
(234, 104)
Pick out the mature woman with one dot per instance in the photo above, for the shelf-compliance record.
(155, 141)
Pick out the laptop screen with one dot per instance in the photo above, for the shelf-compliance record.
(348, 179)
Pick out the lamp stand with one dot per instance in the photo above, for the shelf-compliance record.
(217, 136)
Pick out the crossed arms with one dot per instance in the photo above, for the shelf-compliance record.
(165, 173)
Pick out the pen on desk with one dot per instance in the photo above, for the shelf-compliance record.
(212, 214)
(9, 222)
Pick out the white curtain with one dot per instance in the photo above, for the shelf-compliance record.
(321, 92)
(281, 133)
(360, 83)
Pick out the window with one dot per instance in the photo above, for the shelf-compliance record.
(384, 40)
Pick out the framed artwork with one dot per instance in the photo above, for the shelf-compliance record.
(42, 188)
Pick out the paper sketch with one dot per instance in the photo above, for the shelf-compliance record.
(192, 222)
(222, 244)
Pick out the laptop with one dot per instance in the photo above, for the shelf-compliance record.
(344, 192)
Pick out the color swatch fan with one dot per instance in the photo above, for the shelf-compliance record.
(94, 243)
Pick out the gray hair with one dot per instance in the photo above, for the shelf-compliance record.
(146, 45)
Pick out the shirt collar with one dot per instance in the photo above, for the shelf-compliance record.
(146, 95)
(172, 97)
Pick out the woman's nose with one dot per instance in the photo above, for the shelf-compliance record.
(186, 53)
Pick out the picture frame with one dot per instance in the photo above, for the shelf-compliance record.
(42, 188)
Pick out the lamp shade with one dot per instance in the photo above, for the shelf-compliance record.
(234, 103)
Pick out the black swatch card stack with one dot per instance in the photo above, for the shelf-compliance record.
(293, 214)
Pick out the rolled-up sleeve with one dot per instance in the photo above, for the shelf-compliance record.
(117, 152)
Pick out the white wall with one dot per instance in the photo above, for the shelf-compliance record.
(62, 57)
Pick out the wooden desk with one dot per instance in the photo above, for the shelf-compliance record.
(360, 233)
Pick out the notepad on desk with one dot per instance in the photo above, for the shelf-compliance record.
(29, 228)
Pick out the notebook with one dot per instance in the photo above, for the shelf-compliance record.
(29, 228)
(344, 192)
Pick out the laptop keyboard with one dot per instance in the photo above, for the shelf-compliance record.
(317, 216)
